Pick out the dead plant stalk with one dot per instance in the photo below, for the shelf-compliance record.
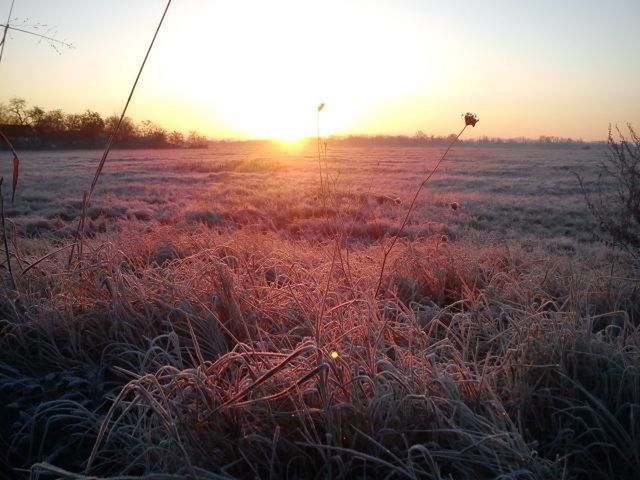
(107, 149)
(470, 119)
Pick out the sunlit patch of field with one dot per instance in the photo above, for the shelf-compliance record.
(222, 320)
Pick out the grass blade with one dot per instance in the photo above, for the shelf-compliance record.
(16, 164)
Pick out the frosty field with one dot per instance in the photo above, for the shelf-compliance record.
(222, 320)
(503, 192)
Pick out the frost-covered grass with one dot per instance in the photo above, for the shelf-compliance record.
(502, 192)
(222, 321)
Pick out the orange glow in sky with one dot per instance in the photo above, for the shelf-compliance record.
(252, 68)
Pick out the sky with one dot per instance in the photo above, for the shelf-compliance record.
(258, 68)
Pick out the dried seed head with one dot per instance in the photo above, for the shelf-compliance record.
(470, 119)
(444, 239)
(320, 107)
(334, 355)
(454, 205)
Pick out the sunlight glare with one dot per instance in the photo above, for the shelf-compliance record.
(270, 87)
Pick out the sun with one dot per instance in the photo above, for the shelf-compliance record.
(289, 136)
(285, 120)
(285, 129)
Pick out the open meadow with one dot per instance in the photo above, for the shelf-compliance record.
(221, 320)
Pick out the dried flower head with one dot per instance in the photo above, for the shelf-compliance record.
(320, 107)
(444, 239)
(334, 355)
(470, 119)
(454, 205)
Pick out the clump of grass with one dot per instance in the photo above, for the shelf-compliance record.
(578, 394)
(204, 216)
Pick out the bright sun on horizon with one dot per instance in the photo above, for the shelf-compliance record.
(286, 59)
(254, 69)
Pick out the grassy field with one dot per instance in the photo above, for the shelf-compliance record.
(222, 320)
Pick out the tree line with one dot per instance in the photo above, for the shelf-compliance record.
(34, 128)
(422, 139)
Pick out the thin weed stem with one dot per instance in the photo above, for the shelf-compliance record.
(16, 159)
(113, 135)
(4, 237)
(322, 193)
(43, 37)
(3, 42)
(16, 164)
(410, 209)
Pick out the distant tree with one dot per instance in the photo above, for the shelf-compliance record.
(159, 137)
(420, 135)
(73, 122)
(17, 110)
(195, 140)
(127, 132)
(36, 128)
(146, 128)
(51, 124)
(91, 124)
(4, 114)
(154, 135)
(34, 115)
(176, 139)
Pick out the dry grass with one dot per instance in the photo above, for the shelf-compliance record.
(225, 333)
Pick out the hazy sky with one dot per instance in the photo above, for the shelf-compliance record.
(243, 68)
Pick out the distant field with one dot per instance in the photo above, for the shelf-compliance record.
(505, 192)
(223, 322)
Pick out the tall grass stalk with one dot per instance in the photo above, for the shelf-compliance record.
(4, 237)
(3, 42)
(322, 193)
(470, 119)
(53, 42)
(107, 149)
(16, 164)
(16, 159)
